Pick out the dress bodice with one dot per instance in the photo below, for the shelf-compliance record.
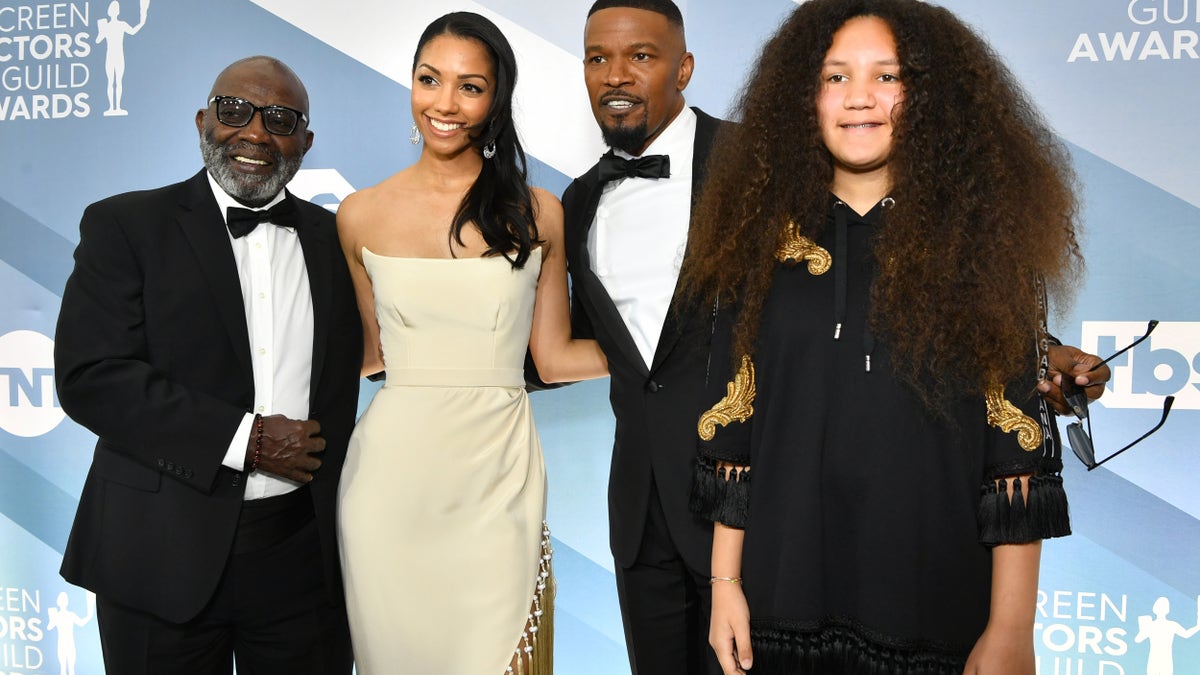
(453, 321)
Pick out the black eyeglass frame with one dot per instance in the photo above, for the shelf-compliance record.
(1081, 442)
(261, 110)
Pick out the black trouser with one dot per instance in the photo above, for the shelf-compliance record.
(665, 606)
(271, 611)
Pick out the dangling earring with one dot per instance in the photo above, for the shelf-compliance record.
(414, 135)
(489, 150)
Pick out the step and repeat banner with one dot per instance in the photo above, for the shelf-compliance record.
(98, 97)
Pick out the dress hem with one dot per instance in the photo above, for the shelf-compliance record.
(831, 646)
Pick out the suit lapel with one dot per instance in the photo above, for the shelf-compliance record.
(678, 316)
(204, 228)
(602, 306)
(316, 246)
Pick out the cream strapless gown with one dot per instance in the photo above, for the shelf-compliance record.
(443, 496)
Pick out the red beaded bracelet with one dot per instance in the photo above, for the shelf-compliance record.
(258, 436)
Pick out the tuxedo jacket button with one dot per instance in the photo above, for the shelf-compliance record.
(162, 463)
(653, 387)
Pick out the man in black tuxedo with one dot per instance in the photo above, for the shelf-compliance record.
(217, 359)
(626, 225)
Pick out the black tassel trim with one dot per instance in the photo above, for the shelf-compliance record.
(719, 497)
(1048, 507)
(1042, 514)
(841, 650)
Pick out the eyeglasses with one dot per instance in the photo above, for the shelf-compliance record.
(277, 120)
(1081, 441)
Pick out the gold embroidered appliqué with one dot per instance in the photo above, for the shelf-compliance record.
(799, 248)
(1007, 417)
(735, 407)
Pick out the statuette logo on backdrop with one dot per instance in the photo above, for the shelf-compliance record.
(112, 32)
(28, 403)
(64, 620)
(1089, 633)
(26, 625)
(48, 53)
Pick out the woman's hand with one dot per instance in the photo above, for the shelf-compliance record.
(729, 630)
(1002, 652)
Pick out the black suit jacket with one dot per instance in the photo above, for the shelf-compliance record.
(656, 408)
(152, 355)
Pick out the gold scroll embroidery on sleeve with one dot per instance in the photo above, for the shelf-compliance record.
(1004, 415)
(737, 406)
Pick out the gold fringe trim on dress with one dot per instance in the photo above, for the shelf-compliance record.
(737, 406)
(534, 654)
(1007, 417)
(799, 248)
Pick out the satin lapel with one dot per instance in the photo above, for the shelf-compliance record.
(204, 229)
(679, 316)
(314, 241)
(604, 311)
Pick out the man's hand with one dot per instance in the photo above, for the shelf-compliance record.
(1070, 360)
(289, 448)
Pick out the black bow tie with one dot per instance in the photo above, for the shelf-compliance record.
(243, 221)
(650, 166)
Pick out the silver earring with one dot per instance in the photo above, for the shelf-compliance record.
(489, 150)
(414, 135)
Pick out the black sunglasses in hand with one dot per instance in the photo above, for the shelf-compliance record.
(1076, 397)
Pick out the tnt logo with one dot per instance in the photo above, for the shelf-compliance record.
(1166, 364)
(317, 185)
(28, 403)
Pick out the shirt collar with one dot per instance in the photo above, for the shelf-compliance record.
(677, 138)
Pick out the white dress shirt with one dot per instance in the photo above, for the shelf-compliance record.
(279, 319)
(637, 239)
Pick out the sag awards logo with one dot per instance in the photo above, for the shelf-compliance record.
(27, 628)
(47, 63)
(28, 403)
(1158, 30)
(1083, 633)
(1166, 364)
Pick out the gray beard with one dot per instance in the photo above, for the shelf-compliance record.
(249, 190)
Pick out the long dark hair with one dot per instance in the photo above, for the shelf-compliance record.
(984, 197)
(499, 203)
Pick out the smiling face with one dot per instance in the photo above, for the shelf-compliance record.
(249, 163)
(636, 67)
(859, 97)
(452, 92)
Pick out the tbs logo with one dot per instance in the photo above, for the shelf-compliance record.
(1166, 364)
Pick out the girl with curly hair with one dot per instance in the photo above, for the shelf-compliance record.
(878, 238)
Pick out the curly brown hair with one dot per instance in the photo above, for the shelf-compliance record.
(984, 198)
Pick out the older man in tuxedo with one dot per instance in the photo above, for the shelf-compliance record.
(209, 337)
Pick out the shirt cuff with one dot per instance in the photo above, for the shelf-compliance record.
(235, 456)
